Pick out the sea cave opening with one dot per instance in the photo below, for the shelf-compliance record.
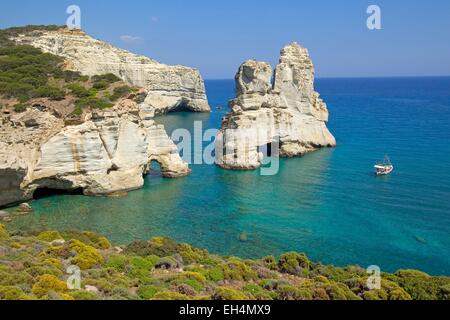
(182, 106)
(154, 169)
(44, 192)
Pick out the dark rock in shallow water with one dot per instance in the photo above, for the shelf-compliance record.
(243, 237)
(118, 194)
(4, 215)
(420, 239)
(25, 208)
(46, 204)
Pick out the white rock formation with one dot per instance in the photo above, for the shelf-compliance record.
(110, 151)
(169, 87)
(267, 109)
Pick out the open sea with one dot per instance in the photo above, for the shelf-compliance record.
(327, 204)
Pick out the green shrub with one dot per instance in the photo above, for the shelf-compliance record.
(193, 279)
(216, 274)
(225, 293)
(9, 277)
(46, 283)
(102, 243)
(419, 285)
(109, 78)
(86, 237)
(101, 85)
(444, 292)
(168, 295)
(72, 76)
(236, 269)
(120, 92)
(102, 82)
(25, 72)
(43, 269)
(270, 262)
(140, 267)
(338, 291)
(20, 107)
(257, 292)
(148, 292)
(53, 263)
(87, 256)
(4, 235)
(159, 246)
(272, 284)
(194, 255)
(49, 236)
(92, 102)
(50, 92)
(294, 263)
(12, 293)
(79, 91)
(83, 295)
(289, 292)
(117, 262)
(76, 235)
(167, 263)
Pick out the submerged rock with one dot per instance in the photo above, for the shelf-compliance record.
(243, 237)
(283, 108)
(118, 194)
(25, 208)
(420, 239)
(4, 214)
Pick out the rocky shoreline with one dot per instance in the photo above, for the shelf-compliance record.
(89, 132)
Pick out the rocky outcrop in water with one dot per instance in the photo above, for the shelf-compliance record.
(108, 151)
(283, 109)
(169, 88)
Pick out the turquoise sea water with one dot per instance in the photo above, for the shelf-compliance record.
(327, 204)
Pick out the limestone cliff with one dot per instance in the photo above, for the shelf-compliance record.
(83, 138)
(169, 87)
(108, 151)
(284, 107)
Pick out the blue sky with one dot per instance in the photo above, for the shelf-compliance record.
(217, 36)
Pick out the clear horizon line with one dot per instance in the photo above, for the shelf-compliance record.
(354, 77)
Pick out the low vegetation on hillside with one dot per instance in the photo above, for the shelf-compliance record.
(27, 73)
(35, 267)
(7, 34)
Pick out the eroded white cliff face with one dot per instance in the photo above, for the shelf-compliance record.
(103, 151)
(169, 87)
(284, 107)
(110, 151)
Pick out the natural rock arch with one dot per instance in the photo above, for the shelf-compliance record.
(271, 104)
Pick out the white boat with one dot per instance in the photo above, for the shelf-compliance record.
(384, 168)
